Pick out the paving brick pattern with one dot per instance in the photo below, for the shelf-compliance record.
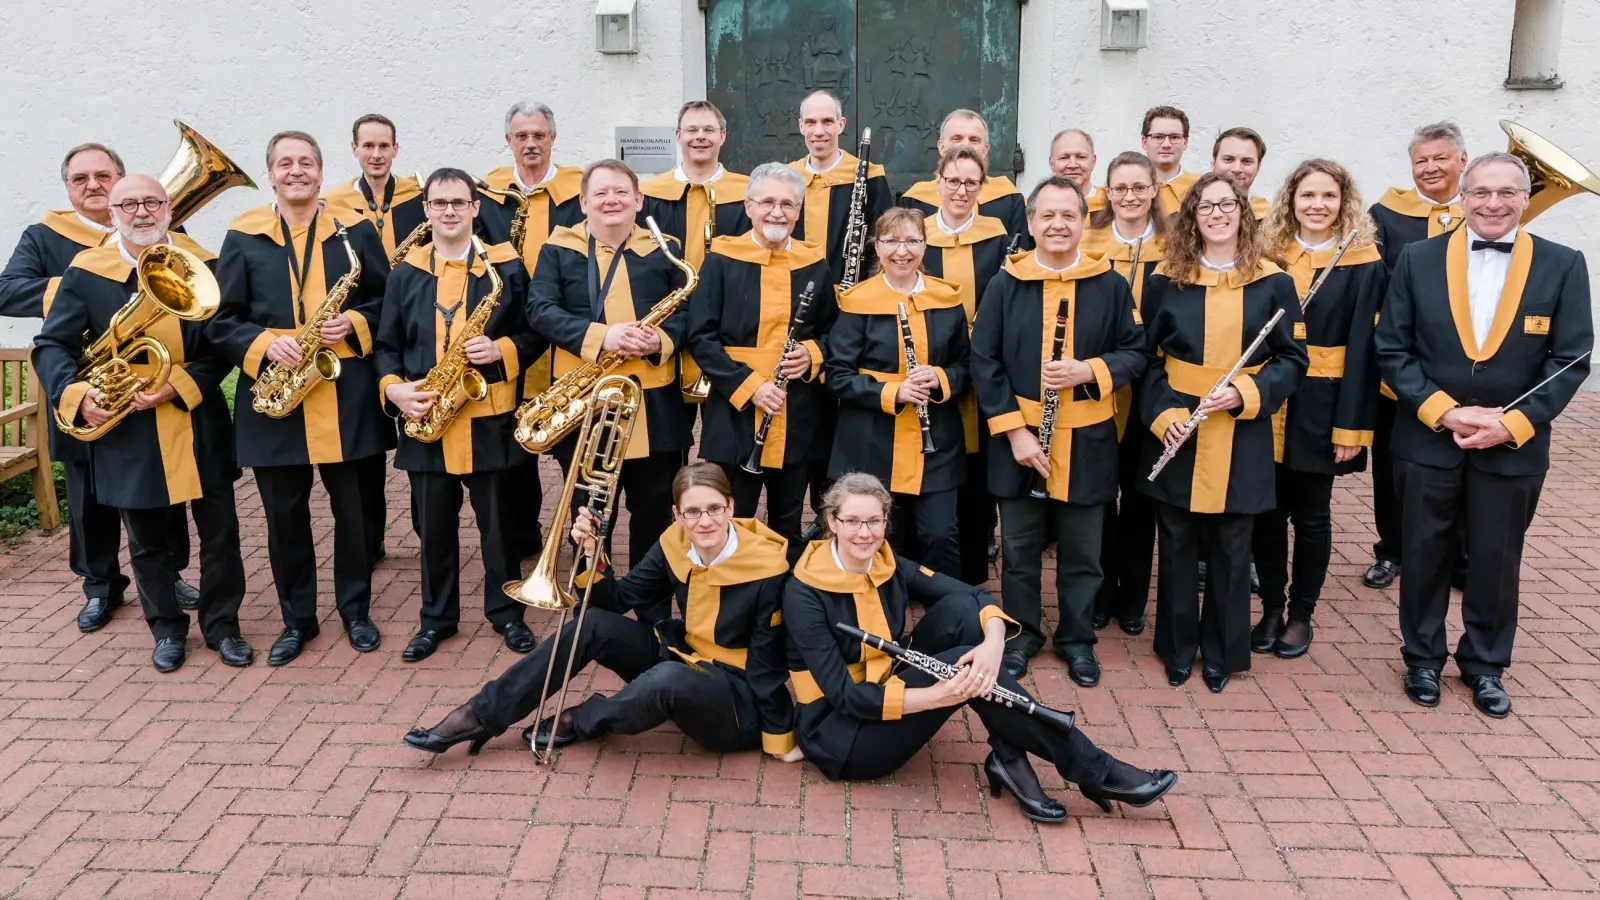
(1313, 778)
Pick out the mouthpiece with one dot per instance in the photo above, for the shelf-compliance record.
(655, 230)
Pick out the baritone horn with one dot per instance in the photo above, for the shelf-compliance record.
(197, 173)
(1555, 174)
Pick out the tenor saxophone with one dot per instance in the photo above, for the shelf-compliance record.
(455, 379)
(519, 219)
(281, 389)
(548, 418)
(416, 238)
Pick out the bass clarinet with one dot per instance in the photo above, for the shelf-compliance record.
(1058, 719)
(1052, 405)
(855, 235)
(779, 379)
(911, 363)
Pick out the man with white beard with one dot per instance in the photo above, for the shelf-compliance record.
(741, 346)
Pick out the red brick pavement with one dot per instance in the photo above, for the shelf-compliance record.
(1313, 778)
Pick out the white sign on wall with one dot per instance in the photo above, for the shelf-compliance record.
(647, 150)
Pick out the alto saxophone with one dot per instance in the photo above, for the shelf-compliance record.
(418, 236)
(519, 219)
(280, 389)
(548, 418)
(855, 235)
(454, 378)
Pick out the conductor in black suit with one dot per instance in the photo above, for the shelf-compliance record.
(1474, 319)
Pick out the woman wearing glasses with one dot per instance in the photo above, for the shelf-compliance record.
(716, 670)
(967, 248)
(1130, 234)
(858, 719)
(1204, 306)
(1324, 429)
(897, 360)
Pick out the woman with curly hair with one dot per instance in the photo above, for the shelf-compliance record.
(1325, 429)
(1202, 309)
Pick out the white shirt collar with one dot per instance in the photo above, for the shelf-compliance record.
(1180, 174)
(465, 254)
(103, 229)
(679, 174)
(1453, 201)
(123, 249)
(1486, 280)
(1507, 238)
(1224, 267)
(938, 218)
(919, 287)
(1149, 232)
(1328, 244)
(788, 242)
(549, 176)
(1076, 258)
(838, 561)
(836, 160)
(727, 550)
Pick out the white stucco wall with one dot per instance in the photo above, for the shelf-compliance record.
(1346, 80)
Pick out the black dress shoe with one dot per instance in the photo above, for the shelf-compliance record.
(234, 651)
(460, 726)
(364, 636)
(188, 597)
(1084, 668)
(425, 642)
(1381, 574)
(994, 549)
(1035, 806)
(1295, 641)
(1015, 662)
(518, 638)
(1216, 679)
(1151, 790)
(289, 644)
(1266, 632)
(1422, 685)
(169, 654)
(96, 613)
(1177, 675)
(1488, 695)
(1100, 620)
(538, 739)
(1131, 624)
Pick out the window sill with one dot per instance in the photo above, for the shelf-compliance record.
(1542, 84)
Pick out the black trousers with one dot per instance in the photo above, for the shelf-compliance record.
(94, 536)
(1304, 498)
(374, 496)
(153, 555)
(1219, 627)
(1128, 539)
(948, 631)
(522, 483)
(646, 493)
(925, 527)
(1493, 512)
(701, 702)
(1385, 492)
(1026, 525)
(786, 498)
(436, 509)
(975, 508)
(286, 500)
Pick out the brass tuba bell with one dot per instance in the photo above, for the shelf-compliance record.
(1556, 175)
(197, 173)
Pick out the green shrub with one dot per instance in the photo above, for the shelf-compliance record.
(19, 511)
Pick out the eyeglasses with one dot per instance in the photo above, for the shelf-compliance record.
(901, 243)
(700, 131)
(457, 205)
(82, 179)
(1504, 195)
(789, 207)
(1206, 207)
(962, 184)
(1165, 138)
(538, 137)
(693, 515)
(148, 204)
(1123, 190)
(851, 523)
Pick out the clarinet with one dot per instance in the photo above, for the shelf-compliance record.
(753, 464)
(1058, 719)
(911, 363)
(855, 234)
(1052, 406)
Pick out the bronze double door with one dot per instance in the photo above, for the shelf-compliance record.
(898, 66)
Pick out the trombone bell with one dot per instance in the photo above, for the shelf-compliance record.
(1556, 175)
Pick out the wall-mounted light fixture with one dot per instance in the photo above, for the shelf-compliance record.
(1124, 24)
(616, 26)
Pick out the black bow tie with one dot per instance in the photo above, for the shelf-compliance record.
(1502, 246)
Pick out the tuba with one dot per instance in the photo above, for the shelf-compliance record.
(1555, 174)
(197, 173)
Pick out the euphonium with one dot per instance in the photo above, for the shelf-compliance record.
(1555, 174)
(197, 172)
(172, 282)
(455, 379)
(548, 418)
(279, 390)
(519, 219)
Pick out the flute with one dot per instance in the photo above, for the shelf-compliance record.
(753, 464)
(911, 363)
(1052, 406)
(1058, 719)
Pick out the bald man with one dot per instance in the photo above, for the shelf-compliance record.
(830, 176)
(1072, 156)
(176, 443)
(998, 198)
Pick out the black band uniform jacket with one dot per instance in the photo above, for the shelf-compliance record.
(156, 457)
(968, 260)
(415, 333)
(395, 211)
(338, 421)
(865, 366)
(1196, 332)
(999, 199)
(1337, 401)
(838, 682)
(739, 318)
(1429, 352)
(1013, 338)
(1404, 216)
(826, 214)
(1100, 242)
(560, 311)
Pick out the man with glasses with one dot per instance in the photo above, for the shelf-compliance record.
(740, 319)
(176, 446)
(429, 299)
(999, 197)
(1165, 138)
(1485, 337)
(1238, 153)
(28, 288)
(1072, 155)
